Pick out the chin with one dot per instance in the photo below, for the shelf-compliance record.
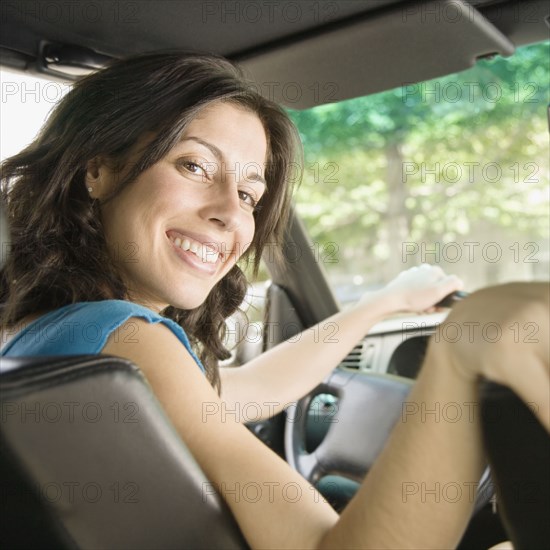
(188, 302)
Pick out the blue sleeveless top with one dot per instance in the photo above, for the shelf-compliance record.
(83, 328)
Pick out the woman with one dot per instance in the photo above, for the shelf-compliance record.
(130, 211)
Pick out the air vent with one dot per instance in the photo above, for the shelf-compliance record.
(360, 357)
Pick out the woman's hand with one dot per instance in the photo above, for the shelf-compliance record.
(501, 333)
(420, 288)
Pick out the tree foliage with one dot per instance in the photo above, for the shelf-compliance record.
(431, 166)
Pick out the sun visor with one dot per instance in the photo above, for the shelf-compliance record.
(410, 43)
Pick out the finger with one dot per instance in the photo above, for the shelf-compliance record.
(449, 284)
(433, 268)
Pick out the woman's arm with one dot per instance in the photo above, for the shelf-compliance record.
(292, 369)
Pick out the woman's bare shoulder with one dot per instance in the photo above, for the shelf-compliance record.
(149, 342)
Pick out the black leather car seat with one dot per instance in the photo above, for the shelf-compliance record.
(99, 462)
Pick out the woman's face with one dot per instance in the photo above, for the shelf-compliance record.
(184, 222)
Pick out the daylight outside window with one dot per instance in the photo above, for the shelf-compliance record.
(454, 172)
(26, 102)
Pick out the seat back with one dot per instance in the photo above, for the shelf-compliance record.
(98, 461)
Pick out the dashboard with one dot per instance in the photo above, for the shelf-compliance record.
(394, 346)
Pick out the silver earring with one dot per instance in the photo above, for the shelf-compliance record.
(90, 189)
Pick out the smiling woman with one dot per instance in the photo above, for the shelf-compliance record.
(108, 133)
(191, 215)
(130, 210)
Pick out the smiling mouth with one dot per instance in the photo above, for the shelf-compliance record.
(205, 253)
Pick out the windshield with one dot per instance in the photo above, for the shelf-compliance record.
(453, 171)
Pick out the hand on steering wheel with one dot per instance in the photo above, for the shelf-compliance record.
(421, 288)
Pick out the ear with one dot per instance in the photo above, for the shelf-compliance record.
(99, 178)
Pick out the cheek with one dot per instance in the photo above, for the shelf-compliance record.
(109, 221)
(123, 226)
(246, 236)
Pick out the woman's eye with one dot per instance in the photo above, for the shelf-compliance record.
(193, 167)
(248, 199)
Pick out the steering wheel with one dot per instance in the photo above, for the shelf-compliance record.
(367, 407)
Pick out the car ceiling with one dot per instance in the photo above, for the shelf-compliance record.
(124, 27)
(364, 46)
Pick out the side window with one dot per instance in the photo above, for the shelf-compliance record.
(244, 336)
(26, 101)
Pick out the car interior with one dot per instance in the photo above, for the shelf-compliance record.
(67, 425)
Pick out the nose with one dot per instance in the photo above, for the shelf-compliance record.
(223, 208)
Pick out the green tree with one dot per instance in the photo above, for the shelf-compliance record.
(430, 162)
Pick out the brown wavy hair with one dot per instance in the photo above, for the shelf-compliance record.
(59, 254)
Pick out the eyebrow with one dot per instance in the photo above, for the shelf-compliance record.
(219, 156)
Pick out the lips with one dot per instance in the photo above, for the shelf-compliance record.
(198, 251)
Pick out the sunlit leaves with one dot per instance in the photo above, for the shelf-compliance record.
(466, 156)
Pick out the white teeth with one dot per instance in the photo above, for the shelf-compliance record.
(205, 253)
(209, 255)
